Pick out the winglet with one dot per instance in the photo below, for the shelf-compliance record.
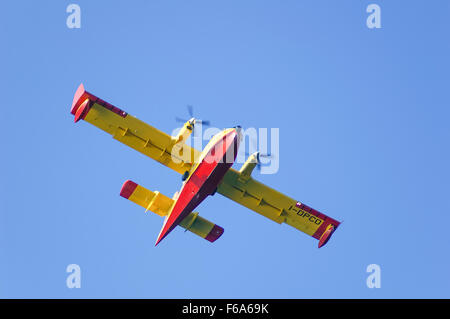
(326, 235)
(80, 96)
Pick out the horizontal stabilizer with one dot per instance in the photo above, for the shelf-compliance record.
(161, 205)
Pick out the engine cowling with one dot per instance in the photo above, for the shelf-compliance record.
(249, 165)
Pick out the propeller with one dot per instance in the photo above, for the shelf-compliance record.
(193, 120)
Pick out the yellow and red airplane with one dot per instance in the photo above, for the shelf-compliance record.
(204, 173)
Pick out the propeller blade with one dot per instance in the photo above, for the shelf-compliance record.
(190, 110)
(203, 122)
(268, 155)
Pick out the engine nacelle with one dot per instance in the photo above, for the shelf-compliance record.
(249, 165)
(185, 131)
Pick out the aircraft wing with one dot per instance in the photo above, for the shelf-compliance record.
(132, 132)
(277, 206)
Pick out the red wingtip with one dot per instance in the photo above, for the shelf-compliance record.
(215, 233)
(82, 110)
(326, 235)
(128, 188)
(81, 95)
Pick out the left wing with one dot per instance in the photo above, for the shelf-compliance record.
(169, 151)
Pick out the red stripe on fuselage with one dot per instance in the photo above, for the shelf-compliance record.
(203, 180)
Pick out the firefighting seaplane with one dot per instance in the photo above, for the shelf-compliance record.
(203, 173)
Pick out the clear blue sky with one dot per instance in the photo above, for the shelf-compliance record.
(364, 137)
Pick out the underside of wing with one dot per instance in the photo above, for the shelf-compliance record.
(132, 132)
(276, 206)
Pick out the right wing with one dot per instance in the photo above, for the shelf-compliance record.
(132, 132)
(277, 206)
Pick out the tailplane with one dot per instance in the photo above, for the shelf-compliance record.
(161, 205)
